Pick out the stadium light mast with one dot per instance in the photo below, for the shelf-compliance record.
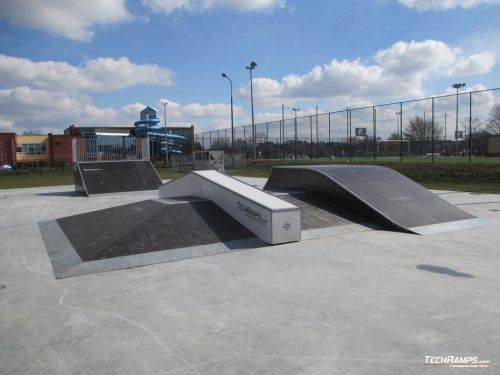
(224, 75)
(457, 86)
(165, 103)
(251, 67)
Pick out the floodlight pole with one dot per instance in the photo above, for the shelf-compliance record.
(165, 123)
(457, 86)
(251, 67)
(224, 75)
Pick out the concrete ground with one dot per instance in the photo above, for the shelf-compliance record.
(360, 302)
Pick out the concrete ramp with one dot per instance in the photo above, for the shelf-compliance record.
(375, 192)
(100, 177)
(270, 218)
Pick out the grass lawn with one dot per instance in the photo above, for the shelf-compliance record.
(14, 182)
(482, 176)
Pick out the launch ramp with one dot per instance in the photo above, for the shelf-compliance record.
(115, 176)
(375, 192)
(270, 218)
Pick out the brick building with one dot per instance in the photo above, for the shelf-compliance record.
(8, 148)
(36, 150)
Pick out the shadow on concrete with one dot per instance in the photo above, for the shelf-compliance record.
(442, 270)
(60, 194)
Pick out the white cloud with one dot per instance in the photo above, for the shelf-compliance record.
(23, 108)
(423, 5)
(211, 115)
(168, 6)
(70, 19)
(399, 71)
(43, 110)
(415, 58)
(476, 64)
(6, 125)
(102, 74)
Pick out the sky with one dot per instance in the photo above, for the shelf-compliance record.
(100, 62)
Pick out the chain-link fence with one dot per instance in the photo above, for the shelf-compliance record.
(457, 125)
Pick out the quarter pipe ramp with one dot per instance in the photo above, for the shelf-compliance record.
(115, 176)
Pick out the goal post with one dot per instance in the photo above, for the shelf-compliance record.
(392, 147)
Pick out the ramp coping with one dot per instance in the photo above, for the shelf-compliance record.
(250, 192)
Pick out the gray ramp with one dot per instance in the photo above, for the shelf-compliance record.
(115, 176)
(375, 192)
(141, 233)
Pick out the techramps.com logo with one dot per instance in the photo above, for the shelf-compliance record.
(251, 213)
(456, 361)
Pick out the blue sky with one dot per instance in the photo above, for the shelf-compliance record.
(100, 62)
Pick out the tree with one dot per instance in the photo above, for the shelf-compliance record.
(421, 130)
(394, 136)
(493, 125)
(476, 123)
(32, 132)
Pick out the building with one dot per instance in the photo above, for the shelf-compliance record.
(8, 148)
(32, 149)
(36, 150)
(56, 150)
(493, 145)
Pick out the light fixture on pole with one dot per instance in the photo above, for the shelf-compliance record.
(457, 86)
(251, 67)
(165, 103)
(295, 128)
(224, 75)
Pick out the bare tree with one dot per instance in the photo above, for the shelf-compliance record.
(419, 129)
(477, 124)
(493, 125)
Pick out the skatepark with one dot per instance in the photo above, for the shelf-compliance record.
(172, 280)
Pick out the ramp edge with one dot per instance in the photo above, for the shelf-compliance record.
(448, 226)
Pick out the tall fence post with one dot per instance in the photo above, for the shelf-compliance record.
(282, 154)
(295, 145)
(329, 140)
(245, 141)
(350, 135)
(311, 136)
(432, 133)
(374, 113)
(401, 132)
(267, 140)
(317, 135)
(470, 127)
(347, 132)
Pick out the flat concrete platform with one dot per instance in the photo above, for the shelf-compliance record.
(352, 300)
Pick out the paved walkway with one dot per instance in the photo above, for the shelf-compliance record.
(359, 302)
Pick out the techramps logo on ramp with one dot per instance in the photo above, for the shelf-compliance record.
(252, 214)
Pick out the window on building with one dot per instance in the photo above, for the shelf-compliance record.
(31, 149)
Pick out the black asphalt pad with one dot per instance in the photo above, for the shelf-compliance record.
(149, 226)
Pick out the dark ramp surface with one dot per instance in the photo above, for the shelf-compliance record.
(149, 226)
(378, 193)
(320, 212)
(115, 176)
